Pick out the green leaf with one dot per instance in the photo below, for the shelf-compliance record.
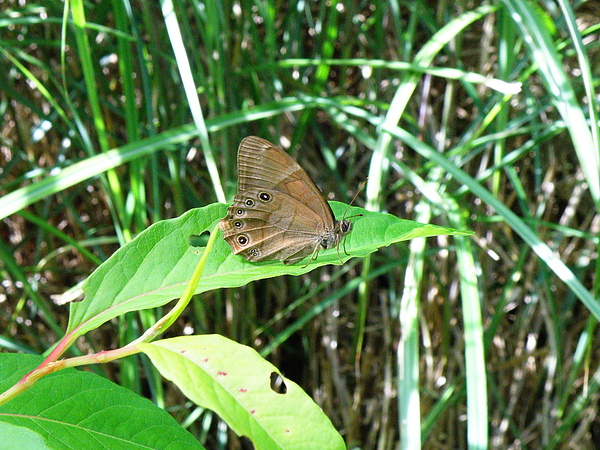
(155, 267)
(147, 272)
(235, 382)
(74, 409)
(15, 437)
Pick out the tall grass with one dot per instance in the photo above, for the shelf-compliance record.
(117, 115)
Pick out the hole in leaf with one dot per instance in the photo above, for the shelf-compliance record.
(277, 384)
(199, 240)
(246, 443)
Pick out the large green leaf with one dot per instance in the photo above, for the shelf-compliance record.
(15, 437)
(74, 409)
(235, 381)
(155, 267)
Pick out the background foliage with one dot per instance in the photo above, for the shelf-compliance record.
(116, 115)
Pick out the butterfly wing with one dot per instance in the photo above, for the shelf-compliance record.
(262, 165)
(279, 229)
(278, 212)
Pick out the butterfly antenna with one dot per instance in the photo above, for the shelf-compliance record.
(354, 198)
(344, 218)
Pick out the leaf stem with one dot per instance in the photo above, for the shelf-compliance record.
(167, 320)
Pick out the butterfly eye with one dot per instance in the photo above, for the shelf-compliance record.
(238, 224)
(242, 240)
(345, 226)
(265, 197)
(249, 202)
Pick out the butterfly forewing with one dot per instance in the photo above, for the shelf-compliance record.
(262, 165)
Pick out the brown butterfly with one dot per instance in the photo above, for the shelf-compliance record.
(278, 212)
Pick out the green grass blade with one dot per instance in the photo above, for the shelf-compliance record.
(192, 95)
(529, 236)
(544, 53)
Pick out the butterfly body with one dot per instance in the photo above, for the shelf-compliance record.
(278, 213)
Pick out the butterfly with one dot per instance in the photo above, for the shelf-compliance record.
(278, 213)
